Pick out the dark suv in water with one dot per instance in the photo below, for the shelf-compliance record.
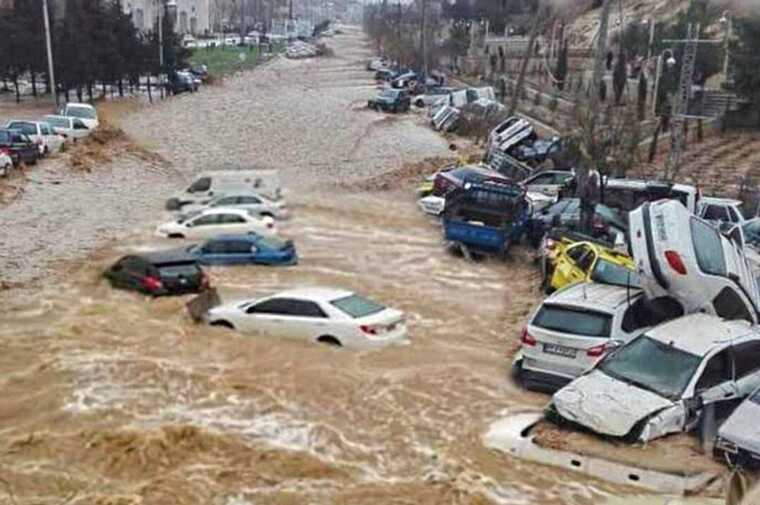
(392, 100)
(19, 147)
(158, 274)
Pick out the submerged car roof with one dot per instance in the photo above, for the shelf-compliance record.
(316, 293)
(699, 333)
(591, 295)
(167, 257)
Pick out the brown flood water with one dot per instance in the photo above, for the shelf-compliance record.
(112, 398)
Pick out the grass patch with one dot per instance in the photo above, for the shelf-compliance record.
(225, 60)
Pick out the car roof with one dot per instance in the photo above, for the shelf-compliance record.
(321, 294)
(594, 296)
(699, 333)
(643, 184)
(224, 210)
(240, 237)
(719, 200)
(79, 104)
(166, 257)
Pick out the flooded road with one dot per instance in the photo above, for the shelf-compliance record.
(107, 397)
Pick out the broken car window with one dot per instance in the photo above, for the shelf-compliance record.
(652, 365)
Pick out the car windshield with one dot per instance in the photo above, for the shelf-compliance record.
(606, 272)
(574, 321)
(178, 270)
(652, 365)
(23, 127)
(81, 112)
(356, 306)
(57, 122)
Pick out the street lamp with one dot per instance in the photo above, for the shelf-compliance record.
(727, 20)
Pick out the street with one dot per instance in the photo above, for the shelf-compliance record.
(112, 398)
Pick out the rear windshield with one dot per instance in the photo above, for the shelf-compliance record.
(178, 270)
(574, 321)
(356, 306)
(708, 247)
(606, 272)
(81, 112)
(24, 127)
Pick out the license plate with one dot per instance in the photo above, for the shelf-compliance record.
(559, 350)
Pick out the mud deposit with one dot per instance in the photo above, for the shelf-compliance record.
(110, 398)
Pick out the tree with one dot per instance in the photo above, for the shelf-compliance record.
(620, 76)
(561, 70)
(745, 59)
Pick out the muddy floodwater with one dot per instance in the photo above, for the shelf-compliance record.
(108, 397)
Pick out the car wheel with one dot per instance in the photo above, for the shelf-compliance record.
(329, 340)
(176, 235)
(223, 324)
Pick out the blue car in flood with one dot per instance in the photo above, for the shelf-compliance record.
(248, 249)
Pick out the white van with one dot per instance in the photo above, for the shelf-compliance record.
(83, 111)
(209, 185)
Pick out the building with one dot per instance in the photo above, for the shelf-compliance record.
(191, 16)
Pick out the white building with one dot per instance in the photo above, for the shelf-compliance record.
(191, 16)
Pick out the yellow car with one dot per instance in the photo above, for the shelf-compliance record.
(571, 262)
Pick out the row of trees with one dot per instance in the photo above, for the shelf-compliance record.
(94, 43)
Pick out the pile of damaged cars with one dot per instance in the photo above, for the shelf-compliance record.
(662, 342)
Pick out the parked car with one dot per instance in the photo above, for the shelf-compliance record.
(686, 259)
(253, 203)
(721, 210)
(566, 213)
(6, 163)
(575, 262)
(548, 182)
(19, 146)
(181, 83)
(536, 152)
(209, 185)
(83, 111)
(577, 326)
(69, 127)
(447, 180)
(404, 79)
(324, 315)
(431, 96)
(210, 222)
(245, 249)
(626, 195)
(660, 382)
(738, 439)
(40, 133)
(391, 100)
(158, 274)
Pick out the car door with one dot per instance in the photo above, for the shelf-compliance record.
(203, 226)
(269, 317)
(716, 383)
(747, 367)
(240, 252)
(306, 321)
(213, 252)
(570, 266)
(251, 204)
(233, 223)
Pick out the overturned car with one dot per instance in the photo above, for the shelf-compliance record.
(685, 259)
(660, 382)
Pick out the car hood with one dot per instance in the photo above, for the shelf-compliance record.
(606, 405)
(742, 427)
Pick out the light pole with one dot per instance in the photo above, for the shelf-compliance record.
(51, 75)
(728, 21)
(162, 4)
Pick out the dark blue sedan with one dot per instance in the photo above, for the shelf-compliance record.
(245, 250)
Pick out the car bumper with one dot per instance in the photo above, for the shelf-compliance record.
(542, 381)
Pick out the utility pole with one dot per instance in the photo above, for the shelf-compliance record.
(601, 53)
(242, 21)
(160, 49)
(51, 75)
(423, 38)
(540, 13)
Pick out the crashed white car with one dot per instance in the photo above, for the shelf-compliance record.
(253, 203)
(325, 315)
(659, 383)
(684, 258)
(739, 437)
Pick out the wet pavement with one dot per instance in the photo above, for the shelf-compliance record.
(112, 398)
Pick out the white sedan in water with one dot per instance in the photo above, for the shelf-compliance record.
(326, 315)
(217, 221)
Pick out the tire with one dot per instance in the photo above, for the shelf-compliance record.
(223, 324)
(329, 340)
(176, 235)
